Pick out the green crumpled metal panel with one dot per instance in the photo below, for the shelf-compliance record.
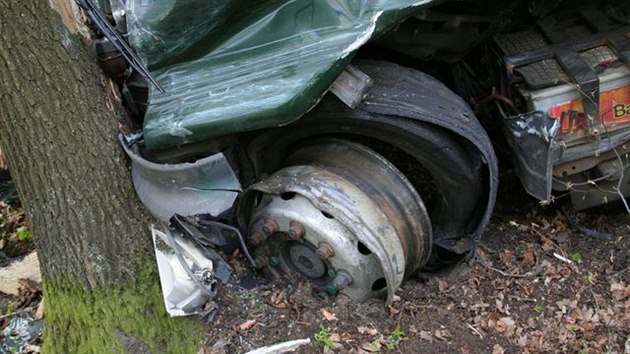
(232, 66)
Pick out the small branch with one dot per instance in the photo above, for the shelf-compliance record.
(485, 264)
(475, 330)
(19, 311)
(512, 275)
(564, 259)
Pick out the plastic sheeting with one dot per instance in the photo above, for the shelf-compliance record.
(233, 66)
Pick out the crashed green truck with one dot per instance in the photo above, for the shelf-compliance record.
(354, 141)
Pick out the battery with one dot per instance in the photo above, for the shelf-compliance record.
(565, 101)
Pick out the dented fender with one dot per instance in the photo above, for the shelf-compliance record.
(206, 186)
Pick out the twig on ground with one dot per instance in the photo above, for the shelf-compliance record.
(512, 275)
(19, 311)
(548, 239)
(475, 330)
(485, 264)
(564, 259)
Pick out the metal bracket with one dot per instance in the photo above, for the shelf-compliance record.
(351, 86)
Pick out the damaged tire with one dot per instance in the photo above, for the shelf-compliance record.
(357, 200)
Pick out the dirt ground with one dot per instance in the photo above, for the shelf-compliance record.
(536, 284)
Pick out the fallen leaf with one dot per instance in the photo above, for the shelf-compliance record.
(367, 330)
(529, 258)
(490, 321)
(505, 324)
(277, 299)
(247, 325)
(497, 349)
(442, 334)
(442, 286)
(280, 305)
(329, 316)
(237, 265)
(426, 335)
(393, 310)
(346, 337)
(619, 291)
(372, 347)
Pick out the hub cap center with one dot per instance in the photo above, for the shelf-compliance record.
(306, 261)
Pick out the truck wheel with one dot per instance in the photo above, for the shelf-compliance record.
(358, 199)
(343, 216)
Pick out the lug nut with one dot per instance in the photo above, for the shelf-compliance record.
(270, 227)
(261, 261)
(257, 238)
(342, 280)
(296, 230)
(325, 251)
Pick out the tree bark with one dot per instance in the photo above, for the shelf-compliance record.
(58, 128)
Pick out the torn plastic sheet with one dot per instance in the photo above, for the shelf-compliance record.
(186, 274)
(232, 66)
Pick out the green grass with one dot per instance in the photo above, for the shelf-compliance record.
(323, 337)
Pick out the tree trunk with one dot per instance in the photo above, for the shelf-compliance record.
(58, 130)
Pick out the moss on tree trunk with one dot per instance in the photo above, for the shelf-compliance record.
(58, 127)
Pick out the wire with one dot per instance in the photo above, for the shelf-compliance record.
(189, 271)
(238, 233)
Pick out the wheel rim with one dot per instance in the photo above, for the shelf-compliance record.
(342, 216)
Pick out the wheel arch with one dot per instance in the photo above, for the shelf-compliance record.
(411, 101)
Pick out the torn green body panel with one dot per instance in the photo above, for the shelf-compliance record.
(234, 66)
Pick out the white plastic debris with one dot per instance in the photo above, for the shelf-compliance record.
(283, 347)
(182, 295)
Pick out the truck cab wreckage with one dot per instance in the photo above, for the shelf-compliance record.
(310, 134)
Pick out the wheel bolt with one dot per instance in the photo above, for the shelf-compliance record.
(270, 227)
(342, 280)
(257, 238)
(296, 230)
(261, 261)
(325, 251)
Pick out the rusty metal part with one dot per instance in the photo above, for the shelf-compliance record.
(301, 256)
(261, 261)
(325, 251)
(360, 216)
(586, 163)
(270, 227)
(256, 238)
(306, 261)
(296, 230)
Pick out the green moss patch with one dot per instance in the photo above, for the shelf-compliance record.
(129, 318)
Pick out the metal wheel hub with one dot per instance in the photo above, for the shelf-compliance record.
(342, 216)
(306, 261)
